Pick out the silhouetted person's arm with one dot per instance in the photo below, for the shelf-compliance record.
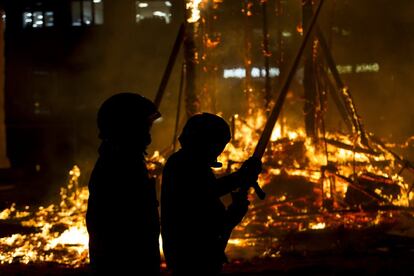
(228, 183)
(246, 175)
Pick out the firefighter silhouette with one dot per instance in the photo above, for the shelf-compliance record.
(195, 224)
(122, 217)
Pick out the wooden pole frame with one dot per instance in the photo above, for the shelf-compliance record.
(271, 121)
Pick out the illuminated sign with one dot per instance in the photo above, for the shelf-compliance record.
(153, 9)
(240, 73)
(256, 72)
(359, 68)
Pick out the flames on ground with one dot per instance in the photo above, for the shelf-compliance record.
(332, 183)
(309, 188)
(56, 233)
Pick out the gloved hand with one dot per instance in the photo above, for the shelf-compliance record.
(250, 170)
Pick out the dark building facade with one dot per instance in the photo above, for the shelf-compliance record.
(62, 59)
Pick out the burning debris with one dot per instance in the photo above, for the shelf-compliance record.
(327, 186)
(315, 179)
(56, 233)
(304, 196)
(326, 183)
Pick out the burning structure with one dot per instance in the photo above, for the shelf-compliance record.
(318, 180)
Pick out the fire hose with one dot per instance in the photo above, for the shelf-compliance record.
(271, 121)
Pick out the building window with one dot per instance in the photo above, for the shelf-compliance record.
(38, 19)
(153, 10)
(49, 19)
(87, 12)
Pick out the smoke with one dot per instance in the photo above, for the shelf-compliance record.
(122, 55)
(67, 73)
(379, 32)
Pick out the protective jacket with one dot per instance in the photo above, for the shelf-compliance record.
(194, 221)
(122, 217)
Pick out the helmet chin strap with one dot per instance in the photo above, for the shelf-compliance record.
(216, 164)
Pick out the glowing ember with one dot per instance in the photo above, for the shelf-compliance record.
(193, 7)
(319, 225)
(311, 186)
(57, 232)
(296, 155)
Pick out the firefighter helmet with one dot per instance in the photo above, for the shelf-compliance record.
(125, 113)
(205, 129)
